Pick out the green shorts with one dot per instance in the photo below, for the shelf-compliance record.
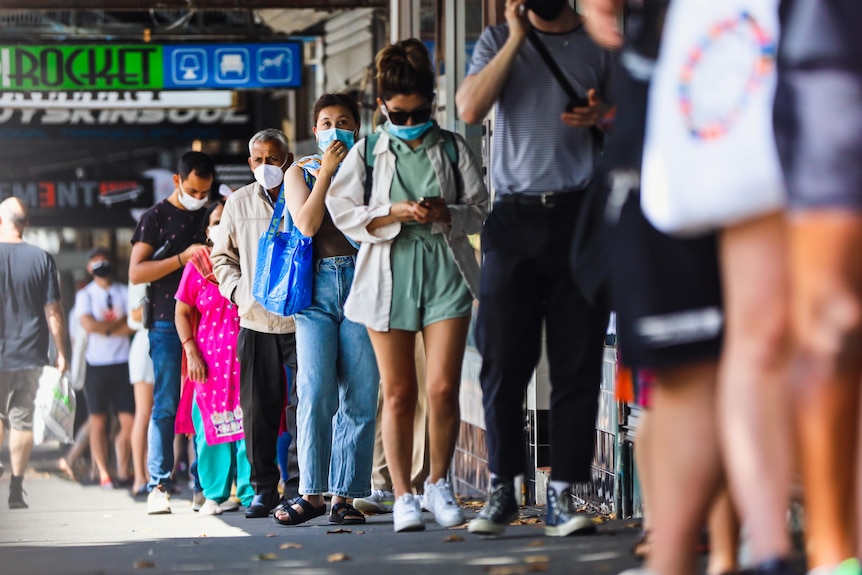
(427, 285)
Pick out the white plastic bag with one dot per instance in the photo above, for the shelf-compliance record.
(54, 416)
(78, 372)
(709, 155)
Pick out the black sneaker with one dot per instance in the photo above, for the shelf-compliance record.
(562, 519)
(775, 566)
(500, 510)
(16, 494)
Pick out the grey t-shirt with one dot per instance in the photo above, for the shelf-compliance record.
(533, 152)
(28, 282)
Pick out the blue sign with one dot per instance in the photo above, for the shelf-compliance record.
(232, 66)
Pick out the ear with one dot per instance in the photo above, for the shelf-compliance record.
(250, 165)
(314, 129)
(379, 102)
(177, 180)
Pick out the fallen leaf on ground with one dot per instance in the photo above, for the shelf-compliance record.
(536, 543)
(598, 520)
(272, 534)
(453, 538)
(144, 564)
(338, 531)
(202, 535)
(290, 546)
(531, 559)
(338, 558)
(265, 557)
(360, 532)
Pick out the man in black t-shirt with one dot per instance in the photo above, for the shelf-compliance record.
(167, 236)
(30, 309)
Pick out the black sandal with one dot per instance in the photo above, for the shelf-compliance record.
(295, 517)
(345, 514)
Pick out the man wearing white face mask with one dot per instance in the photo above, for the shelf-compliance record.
(266, 344)
(167, 236)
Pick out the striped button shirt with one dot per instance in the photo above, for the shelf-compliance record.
(533, 152)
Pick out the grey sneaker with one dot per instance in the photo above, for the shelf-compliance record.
(158, 501)
(562, 519)
(500, 510)
(378, 502)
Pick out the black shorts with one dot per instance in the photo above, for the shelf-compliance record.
(818, 129)
(106, 384)
(666, 292)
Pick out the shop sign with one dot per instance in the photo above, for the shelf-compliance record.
(80, 203)
(178, 125)
(150, 67)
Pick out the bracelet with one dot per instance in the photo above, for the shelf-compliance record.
(179, 259)
(188, 339)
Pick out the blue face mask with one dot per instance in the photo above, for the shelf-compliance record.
(326, 137)
(408, 132)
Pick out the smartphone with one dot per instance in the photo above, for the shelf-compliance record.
(162, 252)
(426, 202)
(577, 103)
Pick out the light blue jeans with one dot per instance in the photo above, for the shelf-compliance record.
(167, 354)
(337, 383)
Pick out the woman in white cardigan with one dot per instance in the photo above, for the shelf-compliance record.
(416, 270)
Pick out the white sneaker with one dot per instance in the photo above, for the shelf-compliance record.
(229, 504)
(158, 501)
(441, 501)
(423, 503)
(210, 507)
(406, 515)
(378, 502)
(198, 500)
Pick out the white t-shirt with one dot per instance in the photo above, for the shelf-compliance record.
(137, 293)
(93, 300)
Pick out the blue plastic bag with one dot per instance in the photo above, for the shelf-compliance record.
(284, 271)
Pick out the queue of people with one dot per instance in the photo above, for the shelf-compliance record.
(775, 296)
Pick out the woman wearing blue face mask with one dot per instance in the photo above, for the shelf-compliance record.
(416, 269)
(337, 379)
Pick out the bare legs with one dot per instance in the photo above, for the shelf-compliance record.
(20, 447)
(753, 387)
(444, 349)
(143, 408)
(683, 399)
(827, 326)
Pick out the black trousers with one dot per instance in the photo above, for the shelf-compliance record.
(525, 281)
(263, 357)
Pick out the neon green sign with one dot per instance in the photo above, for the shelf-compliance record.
(96, 67)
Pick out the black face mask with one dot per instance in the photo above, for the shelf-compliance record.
(547, 10)
(102, 270)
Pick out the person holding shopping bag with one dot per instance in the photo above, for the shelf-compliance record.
(208, 326)
(416, 270)
(338, 382)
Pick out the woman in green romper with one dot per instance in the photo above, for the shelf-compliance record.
(416, 270)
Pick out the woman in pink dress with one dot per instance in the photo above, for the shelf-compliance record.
(208, 326)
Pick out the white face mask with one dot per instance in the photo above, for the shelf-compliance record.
(269, 176)
(190, 203)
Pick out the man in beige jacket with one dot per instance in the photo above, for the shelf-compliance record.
(266, 344)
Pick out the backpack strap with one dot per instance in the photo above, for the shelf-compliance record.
(449, 147)
(370, 142)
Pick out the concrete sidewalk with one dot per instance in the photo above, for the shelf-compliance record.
(72, 529)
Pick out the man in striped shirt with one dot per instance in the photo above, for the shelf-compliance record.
(544, 153)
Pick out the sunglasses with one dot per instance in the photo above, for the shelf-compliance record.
(419, 115)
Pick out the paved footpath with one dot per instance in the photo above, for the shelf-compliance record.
(75, 530)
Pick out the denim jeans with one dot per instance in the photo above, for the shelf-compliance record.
(167, 354)
(337, 383)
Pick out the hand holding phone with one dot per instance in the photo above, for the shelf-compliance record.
(430, 202)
